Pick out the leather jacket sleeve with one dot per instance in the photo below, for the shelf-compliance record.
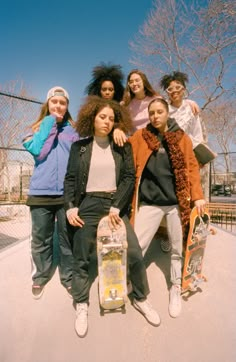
(126, 179)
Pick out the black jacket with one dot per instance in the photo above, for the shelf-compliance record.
(76, 177)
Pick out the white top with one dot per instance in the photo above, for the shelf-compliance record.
(102, 175)
(189, 123)
(138, 109)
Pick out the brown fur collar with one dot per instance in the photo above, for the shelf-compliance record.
(178, 164)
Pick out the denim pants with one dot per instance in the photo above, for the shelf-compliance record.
(43, 230)
(147, 222)
(91, 210)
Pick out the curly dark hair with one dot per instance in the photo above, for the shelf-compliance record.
(102, 73)
(89, 109)
(148, 89)
(168, 78)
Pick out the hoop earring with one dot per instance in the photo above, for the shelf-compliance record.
(186, 93)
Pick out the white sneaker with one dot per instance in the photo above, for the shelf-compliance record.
(148, 312)
(81, 322)
(165, 245)
(175, 301)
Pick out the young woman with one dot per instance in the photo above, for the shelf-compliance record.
(49, 142)
(167, 184)
(99, 181)
(180, 108)
(137, 96)
(106, 82)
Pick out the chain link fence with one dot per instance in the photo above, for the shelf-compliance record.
(16, 166)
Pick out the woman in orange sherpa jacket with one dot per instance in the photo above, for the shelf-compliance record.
(167, 184)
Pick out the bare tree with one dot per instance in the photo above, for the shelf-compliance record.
(220, 119)
(18, 111)
(197, 37)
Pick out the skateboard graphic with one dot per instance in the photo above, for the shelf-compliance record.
(112, 263)
(199, 229)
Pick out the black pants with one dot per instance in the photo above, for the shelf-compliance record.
(91, 211)
(43, 227)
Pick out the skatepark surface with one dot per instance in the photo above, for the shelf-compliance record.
(43, 330)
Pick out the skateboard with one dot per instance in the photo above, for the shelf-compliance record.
(112, 266)
(199, 229)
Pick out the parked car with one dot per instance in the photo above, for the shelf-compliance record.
(227, 190)
(220, 190)
(216, 190)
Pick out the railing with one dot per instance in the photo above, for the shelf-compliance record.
(223, 215)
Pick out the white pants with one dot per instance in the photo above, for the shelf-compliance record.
(147, 222)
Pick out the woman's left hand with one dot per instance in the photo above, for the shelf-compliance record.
(194, 107)
(200, 205)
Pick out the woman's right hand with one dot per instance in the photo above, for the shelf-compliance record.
(73, 217)
(58, 116)
(119, 137)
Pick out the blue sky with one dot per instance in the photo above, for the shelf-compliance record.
(58, 42)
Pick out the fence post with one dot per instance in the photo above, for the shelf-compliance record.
(210, 180)
(21, 181)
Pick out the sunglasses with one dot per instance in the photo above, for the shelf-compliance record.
(176, 88)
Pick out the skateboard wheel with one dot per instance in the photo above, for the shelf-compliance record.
(102, 311)
(125, 298)
(125, 244)
(123, 310)
(102, 301)
(213, 231)
(123, 262)
(192, 287)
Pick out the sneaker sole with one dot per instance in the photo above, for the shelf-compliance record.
(39, 295)
(174, 315)
(144, 315)
(81, 335)
(177, 309)
(165, 249)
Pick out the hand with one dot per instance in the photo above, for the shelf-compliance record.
(114, 220)
(73, 217)
(194, 107)
(59, 117)
(119, 137)
(200, 205)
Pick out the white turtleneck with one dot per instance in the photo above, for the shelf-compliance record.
(102, 175)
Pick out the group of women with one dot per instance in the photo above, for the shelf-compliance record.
(130, 152)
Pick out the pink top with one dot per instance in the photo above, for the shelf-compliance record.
(139, 112)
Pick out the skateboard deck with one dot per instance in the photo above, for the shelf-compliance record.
(199, 229)
(112, 265)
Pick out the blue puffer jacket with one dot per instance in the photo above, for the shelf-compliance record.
(50, 147)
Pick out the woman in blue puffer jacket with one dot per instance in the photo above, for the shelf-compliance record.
(49, 142)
